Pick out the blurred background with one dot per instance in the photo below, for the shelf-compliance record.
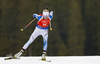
(76, 27)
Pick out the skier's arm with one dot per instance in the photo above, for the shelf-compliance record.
(51, 15)
(37, 16)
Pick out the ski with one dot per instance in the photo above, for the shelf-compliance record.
(45, 60)
(11, 58)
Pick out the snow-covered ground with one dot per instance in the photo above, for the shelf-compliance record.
(54, 60)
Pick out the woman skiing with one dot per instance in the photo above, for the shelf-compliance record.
(41, 29)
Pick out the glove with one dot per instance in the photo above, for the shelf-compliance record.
(51, 13)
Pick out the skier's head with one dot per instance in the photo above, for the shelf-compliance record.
(45, 13)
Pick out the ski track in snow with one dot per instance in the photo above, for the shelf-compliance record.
(54, 60)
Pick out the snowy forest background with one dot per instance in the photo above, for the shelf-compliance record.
(76, 27)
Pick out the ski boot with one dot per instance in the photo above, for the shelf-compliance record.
(17, 55)
(44, 56)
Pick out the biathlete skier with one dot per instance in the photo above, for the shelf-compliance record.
(41, 29)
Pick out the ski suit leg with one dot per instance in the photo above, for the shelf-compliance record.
(34, 35)
(45, 40)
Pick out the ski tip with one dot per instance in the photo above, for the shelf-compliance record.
(11, 58)
(49, 61)
(7, 58)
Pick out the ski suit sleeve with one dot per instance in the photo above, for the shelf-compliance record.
(37, 16)
(51, 15)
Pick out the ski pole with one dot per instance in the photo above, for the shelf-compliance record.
(50, 26)
(47, 9)
(28, 24)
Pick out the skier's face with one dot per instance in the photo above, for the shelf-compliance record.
(46, 17)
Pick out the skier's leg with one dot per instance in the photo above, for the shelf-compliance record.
(45, 45)
(34, 35)
(31, 39)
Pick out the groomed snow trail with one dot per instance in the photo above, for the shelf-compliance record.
(54, 60)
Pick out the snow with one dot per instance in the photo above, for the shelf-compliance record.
(54, 60)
